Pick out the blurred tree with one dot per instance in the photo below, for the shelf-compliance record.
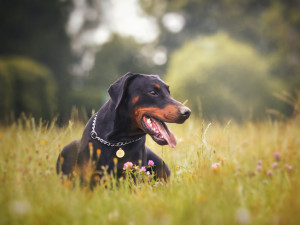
(281, 27)
(272, 27)
(230, 78)
(26, 86)
(114, 59)
(36, 29)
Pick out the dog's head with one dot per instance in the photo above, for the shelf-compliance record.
(149, 105)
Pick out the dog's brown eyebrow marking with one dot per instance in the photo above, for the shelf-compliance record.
(157, 86)
(135, 99)
(167, 85)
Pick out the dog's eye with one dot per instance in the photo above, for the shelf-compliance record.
(154, 93)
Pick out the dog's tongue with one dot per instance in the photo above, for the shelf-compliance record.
(168, 135)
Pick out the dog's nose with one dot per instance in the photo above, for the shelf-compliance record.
(185, 112)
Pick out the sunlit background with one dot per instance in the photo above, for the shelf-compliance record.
(228, 60)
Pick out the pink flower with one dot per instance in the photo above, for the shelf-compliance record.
(143, 169)
(215, 166)
(269, 173)
(158, 183)
(288, 166)
(150, 163)
(259, 168)
(127, 165)
(148, 173)
(275, 165)
(259, 162)
(276, 155)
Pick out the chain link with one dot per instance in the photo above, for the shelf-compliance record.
(118, 144)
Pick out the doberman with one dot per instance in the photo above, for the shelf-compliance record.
(139, 104)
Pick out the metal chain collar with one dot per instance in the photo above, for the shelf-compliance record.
(118, 144)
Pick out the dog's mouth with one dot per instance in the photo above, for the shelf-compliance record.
(159, 131)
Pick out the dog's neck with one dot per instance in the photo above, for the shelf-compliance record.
(115, 125)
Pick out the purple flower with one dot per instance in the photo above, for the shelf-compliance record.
(276, 155)
(143, 169)
(215, 167)
(259, 168)
(148, 173)
(127, 165)
(150, 163)
(275, 165)
(259, 162)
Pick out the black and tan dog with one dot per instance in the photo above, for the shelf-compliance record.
(139, 105)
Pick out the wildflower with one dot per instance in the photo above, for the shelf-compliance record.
(276, 155)
(43, 142)
(150, 163)
(179, 171)
(215, 167)
(62, 159)
(265, 181)
(258, 168)
(98, 152)
(242, 216)
(269, 173)
(288, 166)
(143, 169)
(148, 173)
(127, 165)
(259, 162)
(115, 160)
(20, 207)
(113, 215)
(158, 183)
(275, 165)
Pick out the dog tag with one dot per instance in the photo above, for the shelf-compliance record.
(120, 153)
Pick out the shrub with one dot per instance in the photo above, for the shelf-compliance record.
(230, 78)
(26, 86)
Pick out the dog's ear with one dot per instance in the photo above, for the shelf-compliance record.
(117, 89)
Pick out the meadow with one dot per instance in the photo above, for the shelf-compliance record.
(221, 174)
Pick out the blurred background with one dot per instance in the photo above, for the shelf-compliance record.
(227, 59)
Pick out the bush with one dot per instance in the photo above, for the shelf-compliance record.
(229, 78)
(26, 86)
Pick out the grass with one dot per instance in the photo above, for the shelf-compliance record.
(245, 187)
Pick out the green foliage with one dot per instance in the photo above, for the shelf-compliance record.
(117, 57)
(86, 100)
(280, 26)
(37, 30)
(229, 77)
(26, 86)
(271, 27)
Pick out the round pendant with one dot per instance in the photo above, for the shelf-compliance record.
(120, 153)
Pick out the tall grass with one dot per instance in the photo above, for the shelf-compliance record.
(221, 174)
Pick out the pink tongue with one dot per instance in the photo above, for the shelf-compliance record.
(168, 135)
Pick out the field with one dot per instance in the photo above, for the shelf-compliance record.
(221, 174)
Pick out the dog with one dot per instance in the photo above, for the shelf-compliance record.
(139, 104)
